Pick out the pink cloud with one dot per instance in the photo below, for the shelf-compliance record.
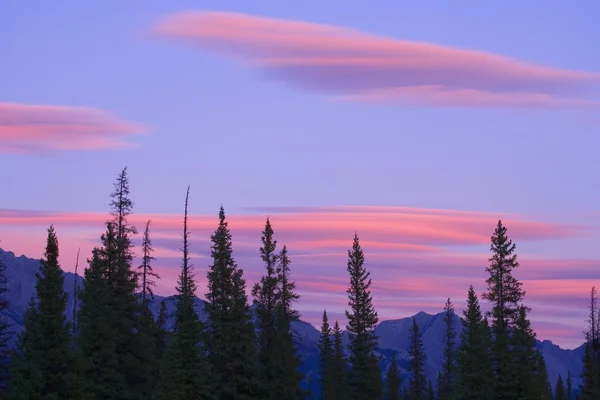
(28, 128)
(358, 66)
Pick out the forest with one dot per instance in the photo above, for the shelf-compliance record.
(114, 347)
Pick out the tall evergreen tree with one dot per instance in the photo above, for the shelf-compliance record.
(416, 367)
(45, 357)
(590, 376)
(184, 372)
(393, 380)
(365, 376)
(447, 379)
(339, 376)
(231, 345)
(265, 302)
(560, 392)
(569, 391)
(326, 360)
(505, 293)
(285, 315)
(5, 330)
(162, 331)
(523, 350)
(474, 368)
(146, 273)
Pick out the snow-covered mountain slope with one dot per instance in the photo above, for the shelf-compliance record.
(393, 334)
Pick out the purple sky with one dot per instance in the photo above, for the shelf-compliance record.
(489, 110)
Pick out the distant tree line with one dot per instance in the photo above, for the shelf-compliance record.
(115, 349)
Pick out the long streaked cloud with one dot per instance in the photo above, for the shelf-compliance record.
(414, 254)
(28, 128)
(358, 66)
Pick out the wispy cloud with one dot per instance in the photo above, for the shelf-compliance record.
(358, 66)
(417, 257)
(26, 128)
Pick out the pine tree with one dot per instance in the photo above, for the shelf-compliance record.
(5, 330)
(162, 332)
(541, 387)
(45, 348)
(231, 345)
(447, 379)
(265, 302)
(393, 380)
(326, 360)
(590, 386)
(147, 274)
(416, 366)
(474, 368)
(339, 377)
(505, 294)
(365, 376)
(184, 372)
(560, 392)
(569, 391)
(523, 350)
(285, 315)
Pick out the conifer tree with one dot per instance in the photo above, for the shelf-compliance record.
(447, 379)
(505, 293)
(340, 366)
(569, 390)
(365, 376)
(232, 342)
(162, 332)
(393, 380)
(5, 330)
(265, 302)
(285, 315)
(416, 366)
(146, 273)
(560, 392)
(184, 372)
(590, 376)
(523, 349)
(326, 360)
(474, 368)
(45, 348)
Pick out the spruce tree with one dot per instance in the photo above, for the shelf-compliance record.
(560, 392)
(590, 376)
(523, 350)
(505, 293)
(474, 368)
(45, 348)
(569, 389)
(146, 273)
(5, 330)
(285, 314)
(393, 380)
(162, 331)
(265, 302)
(416, 367)
(447, 379)
(232, 342)
(339, 377)
(184, 371)
(365, 376)
(326, 360)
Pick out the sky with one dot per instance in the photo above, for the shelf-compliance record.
(417, 125)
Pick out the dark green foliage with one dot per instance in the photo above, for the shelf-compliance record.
(447, 381)
(231, 339)
(45, 360)
(474, 368)
(365, 376)
(340, 366)
(417, 389)
(184, 372)
(523, 350)
(505, 294)
(264, 292)
(5, 330)
(326, 360)
(161, 332)
(393, 381)
(560, 392)
(285, 314)
(147, 275)
(590, 386)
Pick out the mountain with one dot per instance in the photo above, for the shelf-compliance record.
(393, 334)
